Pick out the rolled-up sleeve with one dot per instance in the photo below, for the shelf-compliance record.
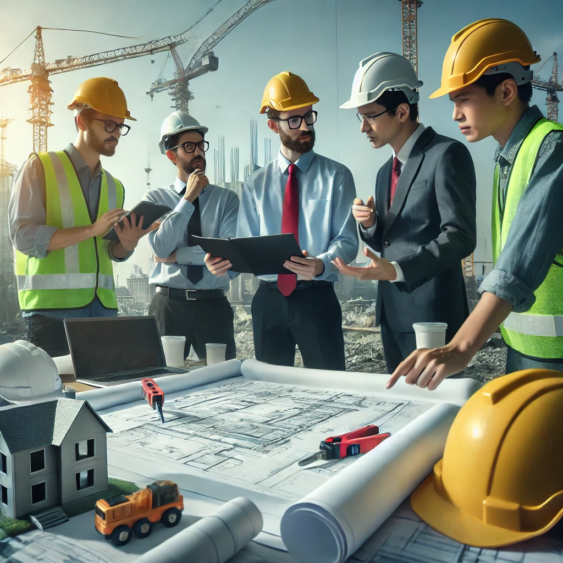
(536, 232)
(26, 211)
(344, 237)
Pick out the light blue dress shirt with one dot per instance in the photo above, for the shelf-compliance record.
(327, 228)
(218, 209)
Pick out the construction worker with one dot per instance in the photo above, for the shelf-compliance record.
(62, 204)
(422, 220)
(189, 300)
(486, 74)
(306, 194)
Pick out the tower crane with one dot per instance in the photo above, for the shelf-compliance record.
(40, 90)
(551, 87)
(409, 16)
(203, 59)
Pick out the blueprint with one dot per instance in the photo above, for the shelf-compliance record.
(404, 538)
(252, 433)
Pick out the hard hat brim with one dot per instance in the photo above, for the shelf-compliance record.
(312, 101)
(441, 92)
(450, 521)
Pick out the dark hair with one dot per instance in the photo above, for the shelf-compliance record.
(392, 99)
(272, 113)
(490, 82)
(173, 140)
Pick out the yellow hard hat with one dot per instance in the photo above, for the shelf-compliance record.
(103, 95)
(480, 46)
(501, 479)
(287, 91)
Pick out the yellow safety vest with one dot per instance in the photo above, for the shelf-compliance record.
(539, 331)
(69, 278)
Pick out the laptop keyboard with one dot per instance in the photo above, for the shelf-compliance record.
(133, 376)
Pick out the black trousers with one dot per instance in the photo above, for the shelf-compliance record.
(310, 317)
(517, 362)
(49, 334)
(201, 321)
(397, 346)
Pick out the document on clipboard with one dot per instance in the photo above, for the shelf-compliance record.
(151, 212)
(254, 255)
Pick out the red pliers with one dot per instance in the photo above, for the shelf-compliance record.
(353, 443)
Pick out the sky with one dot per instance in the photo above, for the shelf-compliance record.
(321, 40)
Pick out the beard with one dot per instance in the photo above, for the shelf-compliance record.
(98, 145)
(296, 145)
(193, 165)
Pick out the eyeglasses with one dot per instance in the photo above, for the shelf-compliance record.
(372, 118)
(190, 147)
(111, 126)
(295, 121)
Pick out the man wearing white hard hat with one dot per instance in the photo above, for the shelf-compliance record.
(189, 300)
(62, 204)
(421, 222)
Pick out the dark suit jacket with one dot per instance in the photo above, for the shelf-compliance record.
(429, 229)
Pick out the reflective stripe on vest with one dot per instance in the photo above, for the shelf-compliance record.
(69, 277)
(539, 331)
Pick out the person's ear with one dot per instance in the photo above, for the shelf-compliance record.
(508, 91)
(274, 125)
(172, 157)
(403, 111)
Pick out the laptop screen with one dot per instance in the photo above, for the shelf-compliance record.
(104, 346)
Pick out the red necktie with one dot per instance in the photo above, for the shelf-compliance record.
(396, 172)
(290, 224)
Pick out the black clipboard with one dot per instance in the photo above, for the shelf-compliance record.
(254, 255)
(150, 211)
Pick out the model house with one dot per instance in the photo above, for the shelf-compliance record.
(51, 453)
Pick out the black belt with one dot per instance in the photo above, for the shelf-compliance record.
(301, 284)
(190, 294)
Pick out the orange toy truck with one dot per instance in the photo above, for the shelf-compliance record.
(116, 518)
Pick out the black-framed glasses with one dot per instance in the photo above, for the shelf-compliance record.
(372, 118)
(295, 121)
(190, 147)
(111, 126)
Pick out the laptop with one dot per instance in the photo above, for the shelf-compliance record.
(112, 350)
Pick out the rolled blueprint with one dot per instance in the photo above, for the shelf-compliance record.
(213, 539)
(453, 391)
(107, 397)
(332, 522)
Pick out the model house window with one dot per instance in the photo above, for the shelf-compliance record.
(85, 479)
(3, 464)
(84, 449)
(37, 460)
(4, 495)
(38, 493)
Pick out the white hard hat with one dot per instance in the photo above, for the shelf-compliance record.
(178, 122)
(26, 371)
(380, 73)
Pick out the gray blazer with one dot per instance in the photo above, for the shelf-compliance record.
(429, 229)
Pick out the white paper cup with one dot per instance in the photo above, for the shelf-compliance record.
(174, 350)
(215, 353)
(430, 335)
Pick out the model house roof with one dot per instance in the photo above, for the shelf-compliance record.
(27, 427)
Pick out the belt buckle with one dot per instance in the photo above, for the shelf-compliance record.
(188, 298)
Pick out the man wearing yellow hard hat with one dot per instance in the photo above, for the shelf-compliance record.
(486, 74)
(306, 194)
(62, 204)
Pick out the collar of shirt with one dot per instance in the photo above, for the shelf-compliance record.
(406, 149)
(79, 162)
(529, 118)
(179, 185)
(303, 163)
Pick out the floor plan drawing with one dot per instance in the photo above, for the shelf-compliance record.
(404, 538)
(253, 433)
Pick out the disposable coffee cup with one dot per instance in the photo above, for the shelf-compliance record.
(430, 335)
(174, 350)
(215, 353)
